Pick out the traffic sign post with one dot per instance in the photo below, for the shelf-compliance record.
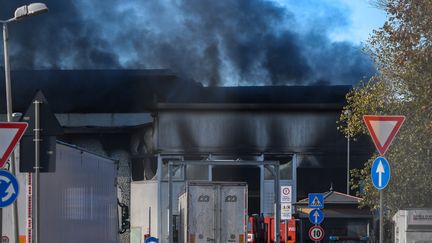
(39, 112)
(383, 130)
(316, 200)
(316, 216)
(380, 174)
(286, 206)
(8, 188)
(316, 233)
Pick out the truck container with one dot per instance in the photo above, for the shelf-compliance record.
(213, 212)
(78, 202)
(149, 209)
(413, 225)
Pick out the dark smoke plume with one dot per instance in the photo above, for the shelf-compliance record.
(230, 42)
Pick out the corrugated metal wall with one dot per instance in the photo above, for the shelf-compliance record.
(78, 203)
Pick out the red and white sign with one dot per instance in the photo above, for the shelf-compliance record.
(286, 193)
(383, 130)
(316, 233)
(10, 134)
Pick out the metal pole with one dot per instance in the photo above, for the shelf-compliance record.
(7, 73)
(149, 212)
(210, 169)
(348, 165)
(348, 114)
(210, 172)
(170, 206)
(37, 140)
(262, 175)
(8, 88)
(15, 203)
(277, 203)
(159, 194)
(381, 223)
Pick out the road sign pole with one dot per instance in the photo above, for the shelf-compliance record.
(348, 165)
(37, 166)
(277, 215)
(9, 111)
(1, 222)
(170, 206)
(316, 240)
(381, 223)
(8, 95)
(15, 204)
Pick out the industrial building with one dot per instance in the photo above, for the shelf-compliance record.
(147, 118)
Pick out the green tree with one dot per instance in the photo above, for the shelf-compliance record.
(402, 53)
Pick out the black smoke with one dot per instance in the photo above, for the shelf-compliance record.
(230, 42)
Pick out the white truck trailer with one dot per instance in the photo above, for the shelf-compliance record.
(78, 202)
(413, 226)
(220, 216)
(213, 212)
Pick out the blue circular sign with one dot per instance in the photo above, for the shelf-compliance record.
(316, 216)
(152, 240)
(380, 173)
(8, 188)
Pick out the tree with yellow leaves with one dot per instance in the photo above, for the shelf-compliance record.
(402, 53)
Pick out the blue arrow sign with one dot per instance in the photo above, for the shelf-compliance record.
(316, 200)
(8, 188)
(380, 173)
(316, 216)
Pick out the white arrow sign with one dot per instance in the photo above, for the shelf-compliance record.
(380, 171)
(316, 215)
(9, 192)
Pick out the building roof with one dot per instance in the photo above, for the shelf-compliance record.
(129, 91)
(92, 91)
(250, 97)
(336, 205)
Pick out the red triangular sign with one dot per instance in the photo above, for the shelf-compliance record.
(10, 134)
(383, 130)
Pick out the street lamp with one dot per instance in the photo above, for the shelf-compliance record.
(20, 13)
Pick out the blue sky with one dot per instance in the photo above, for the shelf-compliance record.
(363, 18)
(352, 20)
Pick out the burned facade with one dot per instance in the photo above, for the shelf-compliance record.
(145, 119)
